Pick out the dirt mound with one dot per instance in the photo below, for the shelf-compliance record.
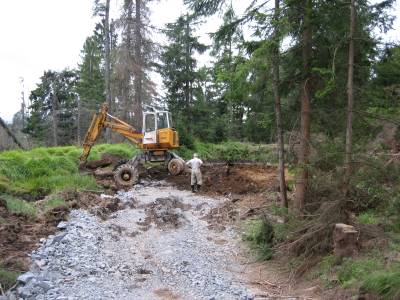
(106, 160)
(165, 213)
(236, 179)
(219, 216)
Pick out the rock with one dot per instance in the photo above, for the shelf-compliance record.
(11, 296)
(26, 277)
(24, 292)
(44, 286)
(62, 225)
(40, 263)
(345, 240)
(58, 238)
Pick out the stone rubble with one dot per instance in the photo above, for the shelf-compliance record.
(123, 257)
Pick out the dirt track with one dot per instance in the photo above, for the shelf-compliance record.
(159, 247)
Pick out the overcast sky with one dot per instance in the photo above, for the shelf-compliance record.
(48, 34)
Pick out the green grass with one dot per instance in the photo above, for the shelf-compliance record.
(19, 206)
(368, 272)
(368, 218)
(353, 271)
(42, 171)
(53, 202)
(7, 278)
(385, 283)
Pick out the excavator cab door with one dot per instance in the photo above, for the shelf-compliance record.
(149, 128)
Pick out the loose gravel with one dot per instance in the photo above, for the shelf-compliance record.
(158, 247)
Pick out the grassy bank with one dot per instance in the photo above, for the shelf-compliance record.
(41, 171)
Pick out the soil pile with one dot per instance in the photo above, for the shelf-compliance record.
(239, 179)
(166, 212)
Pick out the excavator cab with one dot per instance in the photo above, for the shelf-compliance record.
(158, 131)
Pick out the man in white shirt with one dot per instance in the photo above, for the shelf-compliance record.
(195, 180)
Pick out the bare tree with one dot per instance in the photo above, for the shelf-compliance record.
(350, 101)
(278, 114)
(302, 177)
(138, 66)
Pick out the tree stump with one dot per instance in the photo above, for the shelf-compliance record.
(345, 240)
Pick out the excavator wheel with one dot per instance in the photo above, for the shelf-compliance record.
(126, 175)
(175, 166)
(119, 163)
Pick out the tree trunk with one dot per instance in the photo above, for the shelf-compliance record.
(127, 102)
(302, 177)
(107, 62)
(138, 68)
(9, 132)
(54, 110)
(278, 114)
(78, 121)
(187, 69)
(350, 102)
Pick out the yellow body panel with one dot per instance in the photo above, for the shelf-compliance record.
(167, 138)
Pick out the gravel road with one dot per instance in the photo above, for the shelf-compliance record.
(158, 247)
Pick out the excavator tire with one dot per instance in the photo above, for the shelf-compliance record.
(118, 164)
(126, 175)
(175, 166)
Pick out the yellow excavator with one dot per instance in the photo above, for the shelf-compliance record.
(156, 140)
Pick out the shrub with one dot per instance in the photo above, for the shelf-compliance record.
(260, 234)
(7, 278)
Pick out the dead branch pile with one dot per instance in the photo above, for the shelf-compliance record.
(314, 238)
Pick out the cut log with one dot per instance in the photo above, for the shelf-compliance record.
(345, 240)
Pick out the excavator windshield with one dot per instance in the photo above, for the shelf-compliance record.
(162, 120)
(157, 120)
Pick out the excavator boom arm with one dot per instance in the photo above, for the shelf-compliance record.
(99, 122)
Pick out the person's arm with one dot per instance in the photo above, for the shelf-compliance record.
(189, 163)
